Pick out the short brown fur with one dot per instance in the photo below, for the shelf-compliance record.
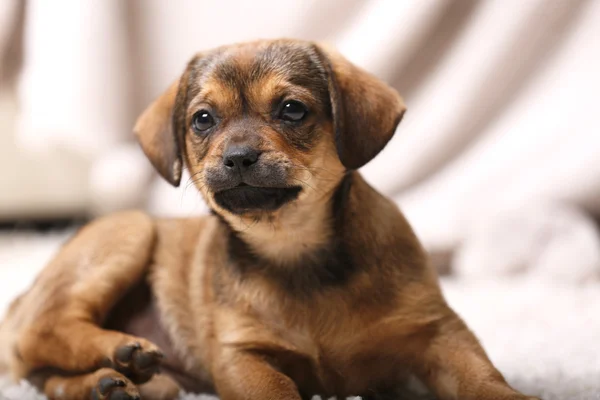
(328, 293)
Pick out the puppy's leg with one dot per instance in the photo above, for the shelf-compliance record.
(455, 366)
(160, 387)
(103, 384)
(242, 375)
(60, 316)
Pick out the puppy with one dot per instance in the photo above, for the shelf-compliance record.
(304, 281)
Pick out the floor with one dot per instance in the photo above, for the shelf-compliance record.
(543, 337)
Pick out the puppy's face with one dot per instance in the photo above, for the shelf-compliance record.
(266, 124)
(258, 127)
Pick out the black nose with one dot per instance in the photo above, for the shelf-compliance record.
(240, 157)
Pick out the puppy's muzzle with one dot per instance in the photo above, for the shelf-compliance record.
(247, 182)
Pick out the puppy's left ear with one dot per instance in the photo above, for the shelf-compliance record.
(365, 110)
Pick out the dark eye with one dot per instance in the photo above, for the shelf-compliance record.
(202, 121)
(293, 111)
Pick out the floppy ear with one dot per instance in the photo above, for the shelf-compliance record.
(156, 133)
(365, 110)
(161, 127)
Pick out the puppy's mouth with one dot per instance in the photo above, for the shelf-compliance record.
(245, 198)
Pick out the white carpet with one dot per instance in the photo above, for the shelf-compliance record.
(543, 337)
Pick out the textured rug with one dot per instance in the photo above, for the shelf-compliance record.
(544, 337)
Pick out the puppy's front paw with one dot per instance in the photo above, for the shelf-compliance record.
(114, 388)
(139, 360)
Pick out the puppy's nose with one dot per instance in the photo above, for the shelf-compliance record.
(240, 157)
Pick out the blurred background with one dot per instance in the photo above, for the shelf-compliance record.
(496, 164)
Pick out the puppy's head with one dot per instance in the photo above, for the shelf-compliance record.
(266, 124)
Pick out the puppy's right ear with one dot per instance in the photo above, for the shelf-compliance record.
(161, 128)
(155, 131)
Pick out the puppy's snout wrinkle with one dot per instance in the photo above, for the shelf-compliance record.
(240, 157)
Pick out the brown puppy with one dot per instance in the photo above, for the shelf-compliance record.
(305, 281)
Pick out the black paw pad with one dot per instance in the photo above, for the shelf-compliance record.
(144, 360)
(105, 385)
(124, 354)
(121, 395)
(137, 363)
(109, 388)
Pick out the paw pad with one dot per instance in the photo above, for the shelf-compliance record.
(109, 388)
(136, 362)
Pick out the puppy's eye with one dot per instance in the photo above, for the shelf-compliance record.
(202, 121)
(293, 111)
